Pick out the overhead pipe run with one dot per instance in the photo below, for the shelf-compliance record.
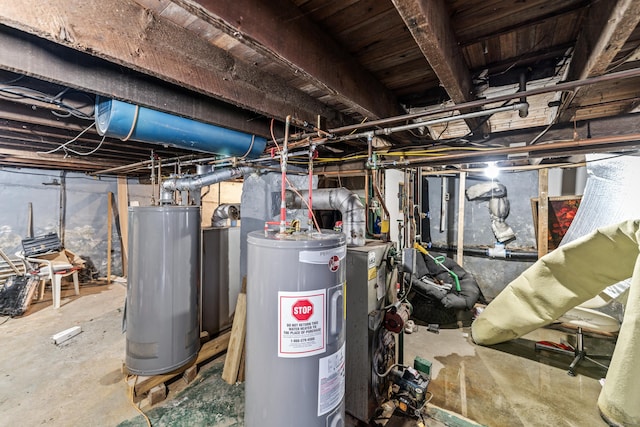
(190, 183)
(518, 106)
(341, 199)
(547, 149)
(117, 119)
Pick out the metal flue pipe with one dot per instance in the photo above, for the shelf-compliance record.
(224, 212)
(340, 199)
(195, 182)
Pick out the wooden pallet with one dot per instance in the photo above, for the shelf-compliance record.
(154, 386)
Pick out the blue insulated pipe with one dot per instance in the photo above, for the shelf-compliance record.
(125, 121)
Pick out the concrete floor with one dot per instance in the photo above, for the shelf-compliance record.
(510, 384)
(80, 383)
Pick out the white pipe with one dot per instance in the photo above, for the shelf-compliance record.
(341, 199)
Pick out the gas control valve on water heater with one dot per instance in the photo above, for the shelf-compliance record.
(295, 330)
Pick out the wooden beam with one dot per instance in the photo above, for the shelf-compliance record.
(62, 162)
(608, 26)
(127, 34)
(29, 55)
(430, 26)
(278, 30)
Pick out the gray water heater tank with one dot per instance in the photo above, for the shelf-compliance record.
(163, 331)
(295, 366)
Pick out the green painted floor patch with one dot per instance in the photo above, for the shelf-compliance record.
(450, 419)
(208, 401)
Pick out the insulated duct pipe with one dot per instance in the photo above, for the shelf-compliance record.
(195, 182)
(223, 212)
(125, 121)
(341, 199)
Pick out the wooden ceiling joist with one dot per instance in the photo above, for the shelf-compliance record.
(278, 30)
(129, 35)
(430, 26)
(609, 24)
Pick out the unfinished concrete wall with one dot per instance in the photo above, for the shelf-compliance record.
(492, 275)
(80, 200)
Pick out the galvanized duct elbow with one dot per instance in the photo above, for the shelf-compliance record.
(196, 182)
(341, 199)
(224, 212)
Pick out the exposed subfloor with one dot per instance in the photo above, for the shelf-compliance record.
(80, 383)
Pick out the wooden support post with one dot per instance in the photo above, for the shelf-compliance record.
(236, 342)
(109, 234)
(461, 201)
(123, 215)
(543, 212)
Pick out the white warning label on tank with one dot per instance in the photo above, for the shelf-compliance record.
(302, 317)
(331, 381)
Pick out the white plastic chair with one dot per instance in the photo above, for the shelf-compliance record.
(52, 271)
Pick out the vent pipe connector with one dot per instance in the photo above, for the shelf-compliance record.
(340, 199)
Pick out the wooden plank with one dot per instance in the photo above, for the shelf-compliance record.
(297, 43)
(157, 394)
(461, 201)
(430, 26)
(127, 34)
(609, 25)
(241, 369)
(8, 261)
(207, 351)
(123, 215)
(543, 212)
(190, 374)
(236, 343)
(109, 233)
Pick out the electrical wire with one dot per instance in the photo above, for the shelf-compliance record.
(131, 388)
(67, 149)
(89, 152)
(295, 190)
(20, 92)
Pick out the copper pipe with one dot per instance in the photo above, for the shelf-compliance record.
(560, 147)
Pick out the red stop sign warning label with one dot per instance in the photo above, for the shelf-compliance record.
(302, 323)
(302, 309)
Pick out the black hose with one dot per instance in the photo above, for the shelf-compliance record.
(510, 255)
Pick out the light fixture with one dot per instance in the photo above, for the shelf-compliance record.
(491, 171)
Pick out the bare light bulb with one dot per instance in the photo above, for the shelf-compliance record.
(492, 171)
